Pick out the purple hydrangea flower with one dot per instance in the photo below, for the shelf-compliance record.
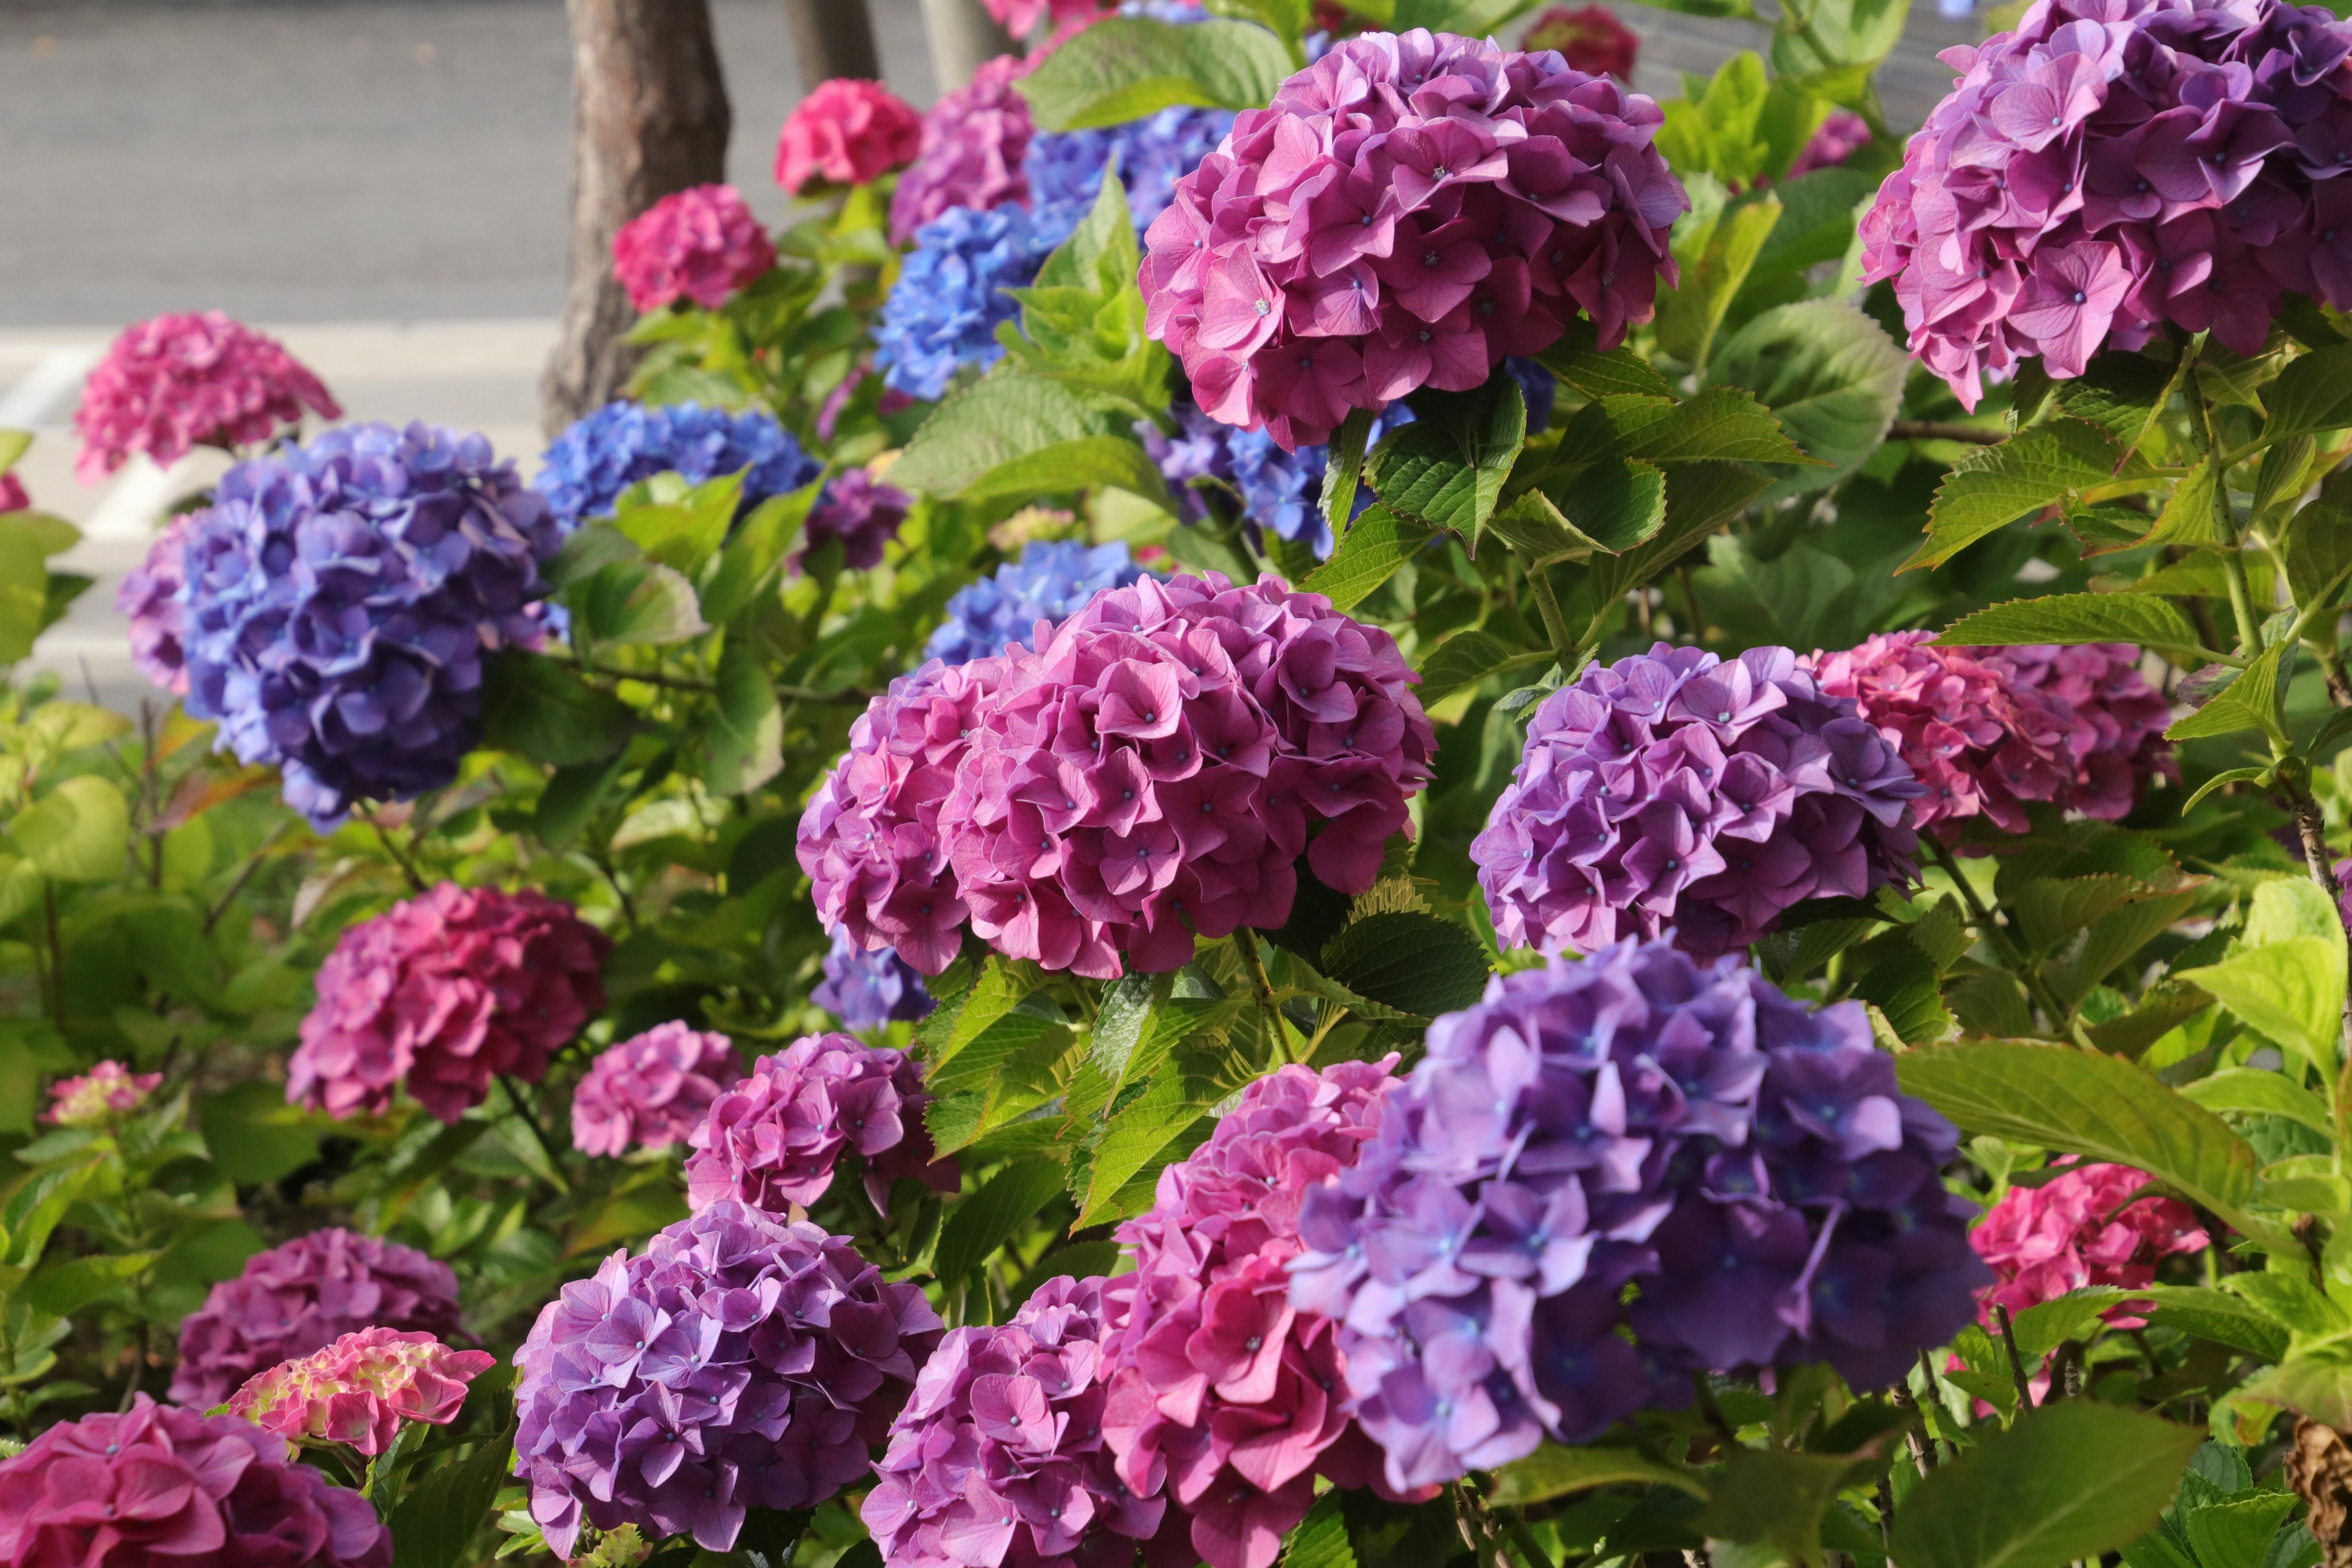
(1674, 791)
(866, 990)
(1277, 490)
(861, 512)
(774, 1138)
(943, 312)
(340, 596)
(149, 598)
(651, 1091)
(584, 471)
(1745, 1164)
(743, 1362)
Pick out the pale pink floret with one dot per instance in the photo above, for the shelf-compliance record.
(359, 1389)
(701, 243)
(846, 132)
(108, 1092)
(179, 381)
(652, 1090)
(2083, 1228)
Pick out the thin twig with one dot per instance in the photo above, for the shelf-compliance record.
(2016, 1365)
(245, 875)
(407, 867)
(1944, 430)
(1915, 1427)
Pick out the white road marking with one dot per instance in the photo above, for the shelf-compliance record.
(44, 397)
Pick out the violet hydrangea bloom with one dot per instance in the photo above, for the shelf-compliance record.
(974, 143)
(2105, 171)
(302, 1297)
(1151, 155)
(1746, 1164)
(1052, 580)
(866, 990)
(700, 244)
(943, 313)
(651, 1091)
(149, 598)
(773, 1139)
(584, 471)
(160, 1487)
(181, 382)
(1410, 210)
(862, 512)
(13, 495)
(999, 1455)
(1839, 137)
(742, 1362)
(1674, 791)
(439, 993)
(1279, 491)
(359, 1389)
(107, 1093)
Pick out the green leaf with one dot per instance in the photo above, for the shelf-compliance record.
(998, 420)
(532, 705)
(1087, 463)
(1994, 486)
(1345, 467)
(77, 832)
(1608, 507)
(2190, 514)
(1413, 961)
(678, 524)
(1553, 1471)
(638, 601)
(1699, 499)
(1715, 255)
(1905, 988)
(2240, 1531)
(1771, 1495)
(2165, 1006)
(978, 1225)
(14, 445)
(1465, 658)
(1143, 1133)
(1719, 423)
(571, 796)
(430, 1527)
(2318, 548)
(23, 587)
(2290, 991)
(1128, 67)
(2313, 394)
(2219, 1317)
(35, 1208)
(1369, 553)
(1578, 361)
(592, 547)
(2317, 1382)
(64, 1288)
(2136, 618)
(1448, 465)
(2249, 702)
(1320, 1540)
(253, 1136)
(746, 738)
(751, 562)
(2120, 393)
(1829, 374)
(2045, 1325)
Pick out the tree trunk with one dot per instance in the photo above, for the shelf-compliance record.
(648, 118)
(832, 38)
(962, 38)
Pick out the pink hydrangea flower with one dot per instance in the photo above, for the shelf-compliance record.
(12, 494)
(1221, 1393)
(700, 244)
(2083, 1228)
(149, 598)
(652, 1090)
(1839, 137)
(359, 1389)
(973, 142)
(1989, 729)
(846, 132)
(159, 1487)
(438, 994)
(1020, 17)
(774, 1138)
(1413, 209)
(184, 381)
(106, 1093)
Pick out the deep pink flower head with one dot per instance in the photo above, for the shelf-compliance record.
(2083, 1228)
(700, 244)
(973, 142)
(1000, 1453)
(106, 1093)
(360, 1388)
(773, 1139)
(12, 494)
(1589, 38)
(846, 132)
(1839, 137)
(651, 1091)
(1413, 209)
(302, 1297)
(189, 380)
(159, 1487)
(1020, 17)
(149, 598)
(1987, 729)
(438, 994)
(2114, 166)
(1221, 1395)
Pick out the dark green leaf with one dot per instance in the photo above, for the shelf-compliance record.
(1142, 1135)
(253, 1135)
(638, 601)
(2219, 1317)
(1413, 961)
(1828, 372)
(981, 1223)
(2318, 550)
(1995, 486)
(1466, 658)
(2119, 392)
(64, 1288)
(2313, 394)
(1611, 506)
(1369, 553)
(532, 705)
(1771, 1495)
(1553, 1471)
(1321, 1539)
(571, 798)
(1344, 468)
(746, 739)
(2249, 702)
(1903, 987)
(1577, 359)
(451, 1500)
(1002, 420)
(1448, 465)
(1699, 499)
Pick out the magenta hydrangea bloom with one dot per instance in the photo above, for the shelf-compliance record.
(1748, 1165)
(1839, 137)
(742, 1362)
(440, 993)
(105, 1094)
(1674, 791)
(302, 1297)
(1987, 729)
(774, 1138)
(359, 1389)
(149, 597)
(2085, 1228)
(13, 496)
(2115, 166)
(999, 1455)
(1221, 1395)
(862, 512)
(190, 380)
(848, 132)
(701, 243)
(651, 1091)
(158, 1487)
(974, 140)
(1411, 210)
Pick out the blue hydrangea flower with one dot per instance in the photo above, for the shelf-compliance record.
(1279, 490)
(865, 990)
(1052, 579)
(340, 598)
(1154, 154)
(1538, 387)
(943, 313)
(1176, 11)
(584, 473)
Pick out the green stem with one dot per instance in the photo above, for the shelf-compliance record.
(1555, 624)
(407, 867)
(1253, 965)
(1524, 1541)
(1995, 933)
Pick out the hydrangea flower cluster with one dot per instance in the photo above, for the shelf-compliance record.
(1152, 154)
(359, 1389)
(999, 1455)
(975, 139)
(652, 1090)
(700, 244)
(159, 1487)
(13, 496)
(338, 599)
(866, 990)
(863, 513)
(107, 1093)
(773, 1139)
(1148, 773)
(1020, 17)
(742, 1362)
(179, 382)
(584, 473)
(1673, 789)
(2083, 1228)
(1589, 38)
(1631, 1119)
(846, 132)
(149, 597)
(302, 1297)
(943, 312)
(1410, 211)
(1218, 1387)
(1280, 491)
(1838, 138)
(1052, 579)
(1988, 729)
(441, 991)
(2108, 169)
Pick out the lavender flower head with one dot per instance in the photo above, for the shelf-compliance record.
(149, 598)
(1151, 154)
(1674, 791)
(742, 1362)
(974, 141)
(943, 313)
(1052, 580)
(651, 1091)
(584, 471)
(860, 512)
(774, 1138)
(340, 598)
(866, 990)
(1747, 1165)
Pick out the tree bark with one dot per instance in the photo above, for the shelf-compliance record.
(962, 38)
(650, 118)
(832, 38)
